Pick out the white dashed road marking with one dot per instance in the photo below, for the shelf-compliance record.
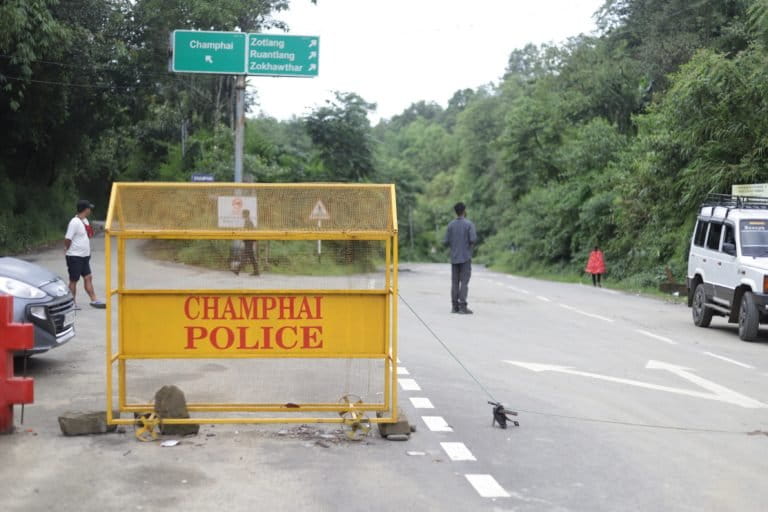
(457, 452)
(591, 315)
(409, 385)
(518, 290)
(487, 486)
(543, 298)
(729, 360)
(402, 370)
(436, 424)
(656, 336)
(421, 403)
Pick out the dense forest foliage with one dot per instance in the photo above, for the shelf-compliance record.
(609, 139)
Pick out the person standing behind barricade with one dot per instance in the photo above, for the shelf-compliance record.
(461, 237)
(78, 252)
(596, 265)
(248, 245)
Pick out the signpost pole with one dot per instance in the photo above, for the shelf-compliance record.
(319, 242)
(239, 126)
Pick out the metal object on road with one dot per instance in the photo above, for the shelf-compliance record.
(501, 415)
(147, 426)
(357, 423)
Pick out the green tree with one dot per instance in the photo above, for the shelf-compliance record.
(341, 134)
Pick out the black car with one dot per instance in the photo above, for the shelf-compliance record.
(41, 298)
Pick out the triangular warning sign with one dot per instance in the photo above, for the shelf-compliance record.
(319, 212)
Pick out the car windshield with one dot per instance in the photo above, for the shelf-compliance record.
(754, 237)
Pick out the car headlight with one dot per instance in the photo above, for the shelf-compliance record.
(19, 289)
(38, 312)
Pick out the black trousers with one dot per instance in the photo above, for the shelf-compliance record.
(460, 274)
(250, 257)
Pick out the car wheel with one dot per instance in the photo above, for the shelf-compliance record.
(749, 318)
(702, 315)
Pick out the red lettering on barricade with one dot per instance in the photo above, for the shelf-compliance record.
(210, 307)
(309, 336)
(187, 310)
(267, 305)
(253, 337)
(248, 307)
(215, 338)
(286, 305)
(191, 337)
(252, 308)
(279, 337)
(13, 390)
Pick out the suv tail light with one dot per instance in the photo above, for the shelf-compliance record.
(765, 284)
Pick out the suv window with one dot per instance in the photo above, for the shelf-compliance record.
(754, 237)
(713, 240)
(701, 233)
(729, 236)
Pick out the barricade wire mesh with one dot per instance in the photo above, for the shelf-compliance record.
(158, 227)
(322, 208)
(266, 264)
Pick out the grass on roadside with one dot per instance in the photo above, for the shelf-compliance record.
(300, 257)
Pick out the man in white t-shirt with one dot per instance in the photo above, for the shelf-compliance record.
(78, 252)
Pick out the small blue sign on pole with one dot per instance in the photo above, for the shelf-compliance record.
(203, 178)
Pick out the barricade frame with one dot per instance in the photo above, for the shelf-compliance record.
(117, 232)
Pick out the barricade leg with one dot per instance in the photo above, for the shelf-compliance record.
(13, 390)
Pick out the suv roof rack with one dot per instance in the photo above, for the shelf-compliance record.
(730, 202)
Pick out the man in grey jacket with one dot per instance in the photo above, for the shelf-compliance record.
(461, 238)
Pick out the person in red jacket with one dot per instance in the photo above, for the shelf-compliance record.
(596, 265)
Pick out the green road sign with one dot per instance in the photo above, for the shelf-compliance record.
(278, 55)
(196, 51)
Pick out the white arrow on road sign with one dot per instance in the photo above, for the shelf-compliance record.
(209, 59)
(313, 43)
(312, 55)
(717, 392)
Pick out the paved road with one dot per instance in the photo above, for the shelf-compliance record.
(625, 405)
(611, 420)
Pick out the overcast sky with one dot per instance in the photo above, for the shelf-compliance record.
(397, 52)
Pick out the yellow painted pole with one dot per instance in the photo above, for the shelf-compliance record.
(108, 349)
(211, 234)
(388, 362)
(395, 298)
(394, 326)
(121, 320)
(233, 185)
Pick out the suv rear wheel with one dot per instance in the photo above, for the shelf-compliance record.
(702, 315)
(749, 318)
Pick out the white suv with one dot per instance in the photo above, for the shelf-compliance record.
(728, 263)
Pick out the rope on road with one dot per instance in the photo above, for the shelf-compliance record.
(447, 349)
(565, 416)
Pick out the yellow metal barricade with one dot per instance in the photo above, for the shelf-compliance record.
(266, 303)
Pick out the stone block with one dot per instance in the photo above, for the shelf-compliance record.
(170, 402)
(396, 430)
(86, 423)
